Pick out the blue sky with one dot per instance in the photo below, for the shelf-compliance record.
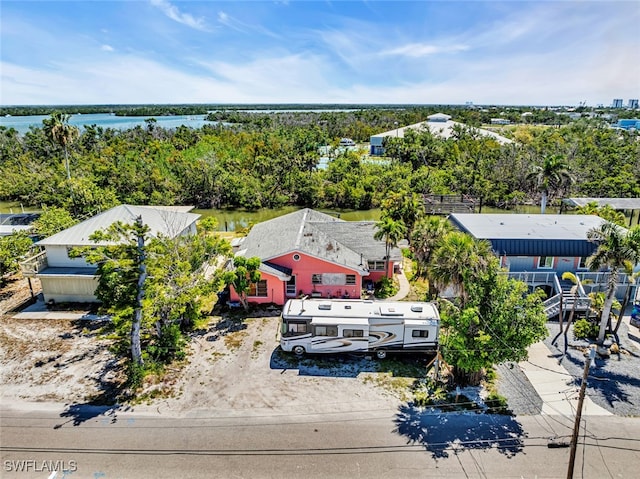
(297, 51)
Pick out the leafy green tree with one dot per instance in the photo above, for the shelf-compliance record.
(121, 262)
(605, 212)
(242, 276)
(618, 248)
(550, 176)
(497, 323)
(13, 248)
(52, 221)
(391, 231)
(404, 206)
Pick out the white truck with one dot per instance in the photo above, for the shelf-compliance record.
(348, 325)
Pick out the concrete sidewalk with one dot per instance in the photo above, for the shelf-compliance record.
(555, 386)
(404, 289)
(39, 310)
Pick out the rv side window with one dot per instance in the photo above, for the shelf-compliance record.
(326, 330)
(295, 329)
(353, 333)
(420, 333)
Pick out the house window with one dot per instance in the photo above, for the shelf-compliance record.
(296, 257)
(545, 262)
(583, 263)
(258, 289)
(420, 333)
(326, 330)
(351, 280)
(316, 279)
(376, 265)
(291, 286)
(353, 333)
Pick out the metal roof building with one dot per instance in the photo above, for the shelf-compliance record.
(162, 220)
(531, 235)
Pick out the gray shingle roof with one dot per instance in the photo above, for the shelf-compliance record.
(161, 220)
(317, 234)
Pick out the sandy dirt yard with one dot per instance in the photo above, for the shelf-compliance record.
(233, 367)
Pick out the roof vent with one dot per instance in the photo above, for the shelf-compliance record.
(325, 306)
(347, 306)
(416, 308)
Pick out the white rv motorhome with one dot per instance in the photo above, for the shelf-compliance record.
(336, 325)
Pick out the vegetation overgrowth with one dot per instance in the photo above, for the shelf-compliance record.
(269, 160)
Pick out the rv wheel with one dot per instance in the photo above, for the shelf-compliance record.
(381, 354)
(298, 350)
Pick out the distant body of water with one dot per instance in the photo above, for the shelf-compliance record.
(106, 120)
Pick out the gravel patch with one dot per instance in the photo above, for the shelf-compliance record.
(613, 382)
(514, 385)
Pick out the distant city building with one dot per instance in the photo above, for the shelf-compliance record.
(617, 103)
(499, 121)
(633, 103)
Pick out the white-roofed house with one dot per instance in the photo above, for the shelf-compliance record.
(438, 124)
(67, 279)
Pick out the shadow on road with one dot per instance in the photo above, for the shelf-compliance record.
(80, 413)
(348, 365)
(441, 433)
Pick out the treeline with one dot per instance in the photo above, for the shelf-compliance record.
(270, 160)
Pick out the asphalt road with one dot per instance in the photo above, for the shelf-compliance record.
(93, 443)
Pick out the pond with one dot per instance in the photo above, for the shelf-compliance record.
(232, 220)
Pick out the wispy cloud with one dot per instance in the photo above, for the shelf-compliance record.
(106, 48)
(417, 50)
(175, 14)
(235, 24)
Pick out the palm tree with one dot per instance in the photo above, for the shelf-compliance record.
(617, 248)
(550, 176)
(59, 131)
(428, 232)
(459, 257)
(391, 231)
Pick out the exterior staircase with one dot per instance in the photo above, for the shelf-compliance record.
(566, 299)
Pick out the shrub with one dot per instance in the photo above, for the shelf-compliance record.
(585, 329)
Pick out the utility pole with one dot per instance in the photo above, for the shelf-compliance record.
(576, 426)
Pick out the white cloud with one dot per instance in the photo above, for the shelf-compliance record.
(235, 24)
(106, 48)
(175, 14)
(417, 50)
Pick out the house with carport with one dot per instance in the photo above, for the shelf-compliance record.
(309, 253)
(71, 279)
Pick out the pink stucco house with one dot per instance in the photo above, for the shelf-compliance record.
(315, 254)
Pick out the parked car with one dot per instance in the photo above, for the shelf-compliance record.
(635, 316)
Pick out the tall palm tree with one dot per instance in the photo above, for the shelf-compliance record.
(59, 131)
(549, 177)
(391, 231)
(424, 239)
(617, 248)
(458, 257)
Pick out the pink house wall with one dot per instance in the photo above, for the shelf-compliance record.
(275, 292)
(302, 269)
(307, 265)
